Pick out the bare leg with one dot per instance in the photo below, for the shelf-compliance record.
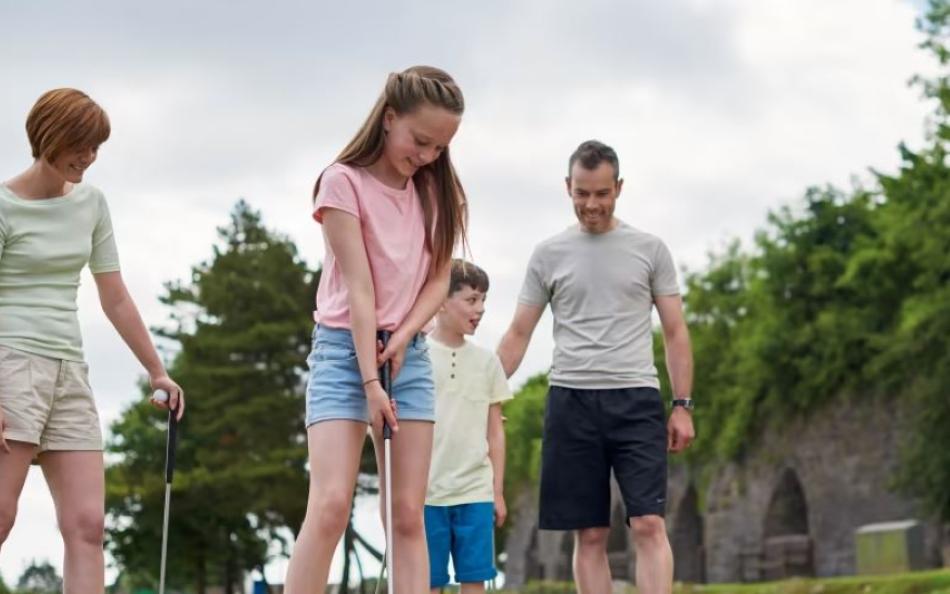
(77, 481)
(411, 451)
(13, 468)
(473, 588)
(334, 448)
(591, 569)
(654, 555)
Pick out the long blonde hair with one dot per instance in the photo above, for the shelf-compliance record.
(404, 92)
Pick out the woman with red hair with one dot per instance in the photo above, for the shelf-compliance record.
(51, 226)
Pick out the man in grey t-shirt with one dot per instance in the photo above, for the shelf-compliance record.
(604, 411)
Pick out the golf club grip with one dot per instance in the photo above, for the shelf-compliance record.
(386, 379)
(170, 444)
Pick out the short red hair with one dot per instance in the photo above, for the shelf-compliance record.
(65, 119)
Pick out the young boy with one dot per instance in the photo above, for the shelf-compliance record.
(465, 499)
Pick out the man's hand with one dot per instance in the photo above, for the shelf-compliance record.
(679, 430)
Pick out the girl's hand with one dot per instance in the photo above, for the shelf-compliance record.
(395, 351)
(176, 396)
(380, 408)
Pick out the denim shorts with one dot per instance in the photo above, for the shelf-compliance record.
(335, 387)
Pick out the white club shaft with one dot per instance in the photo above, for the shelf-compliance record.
(161, 578)
(389, 517)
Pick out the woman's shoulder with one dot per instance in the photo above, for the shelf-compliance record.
(90, 196)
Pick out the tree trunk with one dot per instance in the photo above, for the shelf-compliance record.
(202, 577)
(347, 558)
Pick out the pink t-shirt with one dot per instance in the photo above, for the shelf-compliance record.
(394, 235)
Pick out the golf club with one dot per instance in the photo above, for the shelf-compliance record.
(162, 396)
(386, 378)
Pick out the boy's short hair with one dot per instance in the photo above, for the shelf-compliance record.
(64, 119)
(590, 154)
(467, 274)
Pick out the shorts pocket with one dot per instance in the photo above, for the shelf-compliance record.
(420, 347)
(324, 353)
(16, 376)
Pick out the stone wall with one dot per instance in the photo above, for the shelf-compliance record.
(791, 504)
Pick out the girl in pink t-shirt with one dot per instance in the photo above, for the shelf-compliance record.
(392, 211)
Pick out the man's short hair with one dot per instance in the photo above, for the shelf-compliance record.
(467, 274)
(591, 153)
(65, 119)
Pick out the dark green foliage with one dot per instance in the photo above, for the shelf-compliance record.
(845, 297)
(38, 578)
(243, 325)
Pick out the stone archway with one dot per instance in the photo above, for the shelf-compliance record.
(619, 554)
(786, 544)
(533, 569)
(689, 553)
(566, 566)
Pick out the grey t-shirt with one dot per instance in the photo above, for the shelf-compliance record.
(601, 288)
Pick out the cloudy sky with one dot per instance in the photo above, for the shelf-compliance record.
(720, 110)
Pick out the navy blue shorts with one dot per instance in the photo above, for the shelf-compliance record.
(588, 433)
(467, 533)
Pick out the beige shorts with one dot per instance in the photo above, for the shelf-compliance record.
(48, 402)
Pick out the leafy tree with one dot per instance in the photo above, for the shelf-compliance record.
(39, 578)
(243, 325)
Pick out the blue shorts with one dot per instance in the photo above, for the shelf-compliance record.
(335, 387)
(467, 533)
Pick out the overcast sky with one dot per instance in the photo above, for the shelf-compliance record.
(719, 109)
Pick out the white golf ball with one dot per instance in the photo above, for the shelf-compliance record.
(160, 396)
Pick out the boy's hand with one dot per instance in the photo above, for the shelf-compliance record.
(501, 510)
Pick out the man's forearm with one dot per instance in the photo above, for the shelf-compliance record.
(679, 362)
(511, 351)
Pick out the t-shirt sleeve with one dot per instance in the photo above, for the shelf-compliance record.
(535, 291)
(3, 234)
(105, 254)
(663, 281)
(336, 191)
(500, 392)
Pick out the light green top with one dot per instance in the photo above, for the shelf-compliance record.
(468, 380)
(44, 245)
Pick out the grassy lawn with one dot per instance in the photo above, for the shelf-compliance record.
(921, 582)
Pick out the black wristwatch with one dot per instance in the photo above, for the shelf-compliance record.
(686, 403)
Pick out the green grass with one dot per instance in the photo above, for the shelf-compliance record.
(920, 582)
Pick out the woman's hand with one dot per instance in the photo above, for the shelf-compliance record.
(3, 441)
(176, 396)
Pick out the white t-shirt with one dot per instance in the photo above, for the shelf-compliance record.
(468, 380)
